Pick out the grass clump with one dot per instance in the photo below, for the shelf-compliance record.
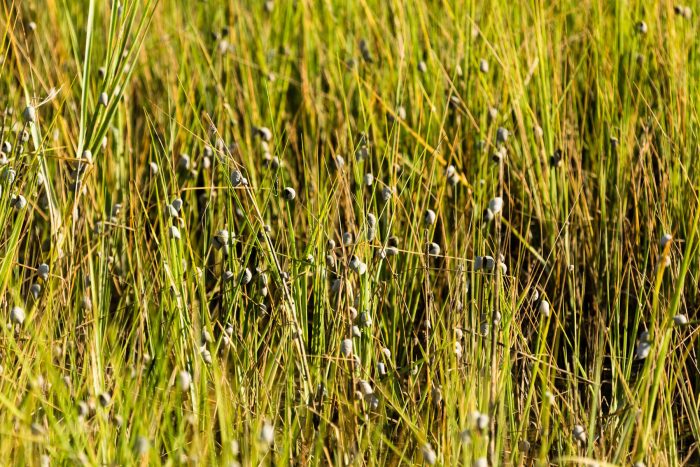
(332, 233)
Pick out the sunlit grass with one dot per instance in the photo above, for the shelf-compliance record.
(331, 233)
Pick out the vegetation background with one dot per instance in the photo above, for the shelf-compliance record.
(323, 232)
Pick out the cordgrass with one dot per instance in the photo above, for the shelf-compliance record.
(450, 363)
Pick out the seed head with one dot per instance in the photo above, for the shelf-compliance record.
(641, 27)
(368, 179)
(347, 238)
(544, 308)
(104, 99)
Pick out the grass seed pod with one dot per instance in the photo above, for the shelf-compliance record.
(543, 308)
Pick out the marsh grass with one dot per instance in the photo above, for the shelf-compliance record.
(342, 324)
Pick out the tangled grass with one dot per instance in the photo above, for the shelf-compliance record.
(331, 233)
